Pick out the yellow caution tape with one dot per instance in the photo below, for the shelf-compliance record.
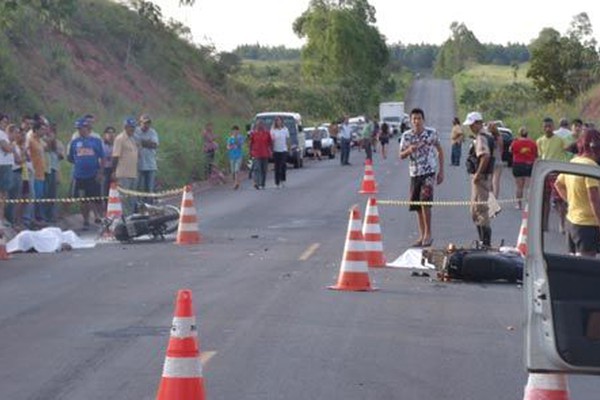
(446, 203)
(62, 200)
(164, 193)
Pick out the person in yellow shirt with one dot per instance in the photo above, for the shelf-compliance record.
(552, 147)
(583, 197)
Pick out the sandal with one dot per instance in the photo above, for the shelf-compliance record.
(427, 243)
(418, 243)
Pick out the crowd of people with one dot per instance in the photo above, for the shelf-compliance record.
(578, 211)
(30, 167)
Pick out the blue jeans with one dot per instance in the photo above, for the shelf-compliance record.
(455, 154)
(259, 171)
(146, 180)
(51, 188)
(39, 191)
(15, 192)
(344, 151)
(128, 201)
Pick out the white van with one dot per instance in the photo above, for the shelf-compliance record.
(293, 121)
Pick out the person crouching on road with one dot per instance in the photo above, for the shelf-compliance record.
(582, 194)
(281, 139)
(481, 182)
(426, 168)
(260, 150)
(125, 161)
(86, 153)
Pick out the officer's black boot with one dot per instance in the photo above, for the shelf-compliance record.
(480, 233)
(487, 235)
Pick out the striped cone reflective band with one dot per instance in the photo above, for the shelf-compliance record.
(182, 372)
(546, 387)
(522, 239)
(187, 232)
(354, 271)
(368, 185)
(113, 207)
(371, 231)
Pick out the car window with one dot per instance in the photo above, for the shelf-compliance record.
(562, 273)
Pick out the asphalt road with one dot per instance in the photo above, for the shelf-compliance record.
(94, 324)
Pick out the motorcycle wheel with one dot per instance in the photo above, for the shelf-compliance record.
(173, 223)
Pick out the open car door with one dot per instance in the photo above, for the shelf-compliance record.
(562, 290)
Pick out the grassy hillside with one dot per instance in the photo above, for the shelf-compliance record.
(109, 61)
(511, 98)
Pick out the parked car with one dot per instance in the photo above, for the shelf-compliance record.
(327, 148)
(293, 121)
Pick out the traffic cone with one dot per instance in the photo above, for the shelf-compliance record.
(522, 239)
(371, 231)
(546, 387)
(3, 253)
(182, 372)
(187, 232)
(114, 210)
(354, 271)
(368, 185)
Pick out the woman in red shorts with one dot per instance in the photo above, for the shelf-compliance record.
(524, 153)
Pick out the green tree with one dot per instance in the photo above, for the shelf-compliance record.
(344, 50)
(564, 66)
(458, 51)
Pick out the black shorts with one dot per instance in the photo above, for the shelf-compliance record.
(89, 187)
(384, 140)
(582, 238)
(317, 144)
(421, 189)
(521, 170)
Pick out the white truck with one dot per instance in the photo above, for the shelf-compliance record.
(392, 113)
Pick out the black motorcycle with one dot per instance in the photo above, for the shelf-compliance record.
(151, 220)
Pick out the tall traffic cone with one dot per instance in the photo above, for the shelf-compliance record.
(546, 387)
(354, 271)
(371, 231)
(182, 372)
(114, 210)
(3, 253)
(522, 239)
(368, 185)
(187, 232)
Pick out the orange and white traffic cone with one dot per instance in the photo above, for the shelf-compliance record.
(354, 271)
(113, 207)
(546, 387)
(187, 232)
(371, 231)
(522, 239)
(368, 184)
(182, 372)
(3, 253)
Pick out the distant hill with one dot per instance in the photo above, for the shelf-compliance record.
(109, 60)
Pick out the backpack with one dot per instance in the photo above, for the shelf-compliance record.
(472, 161)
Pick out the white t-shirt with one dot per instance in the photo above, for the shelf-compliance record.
(563, 133)
(6, 158)
(280, 138)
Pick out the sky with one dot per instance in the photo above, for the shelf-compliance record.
(229, 23)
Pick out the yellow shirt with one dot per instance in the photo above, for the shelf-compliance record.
(580, 210)
(126, 149)
(551, 148)
(36, 152)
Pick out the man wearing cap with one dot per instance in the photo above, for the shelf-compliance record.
(147, 140)
(86, 153)
(125, 160)
(481, 182)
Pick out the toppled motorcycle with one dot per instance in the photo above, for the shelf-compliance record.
(155, 221)
(476, 264)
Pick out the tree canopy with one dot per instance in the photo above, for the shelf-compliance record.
(564, 66)
(458, 51)
(344, 50)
